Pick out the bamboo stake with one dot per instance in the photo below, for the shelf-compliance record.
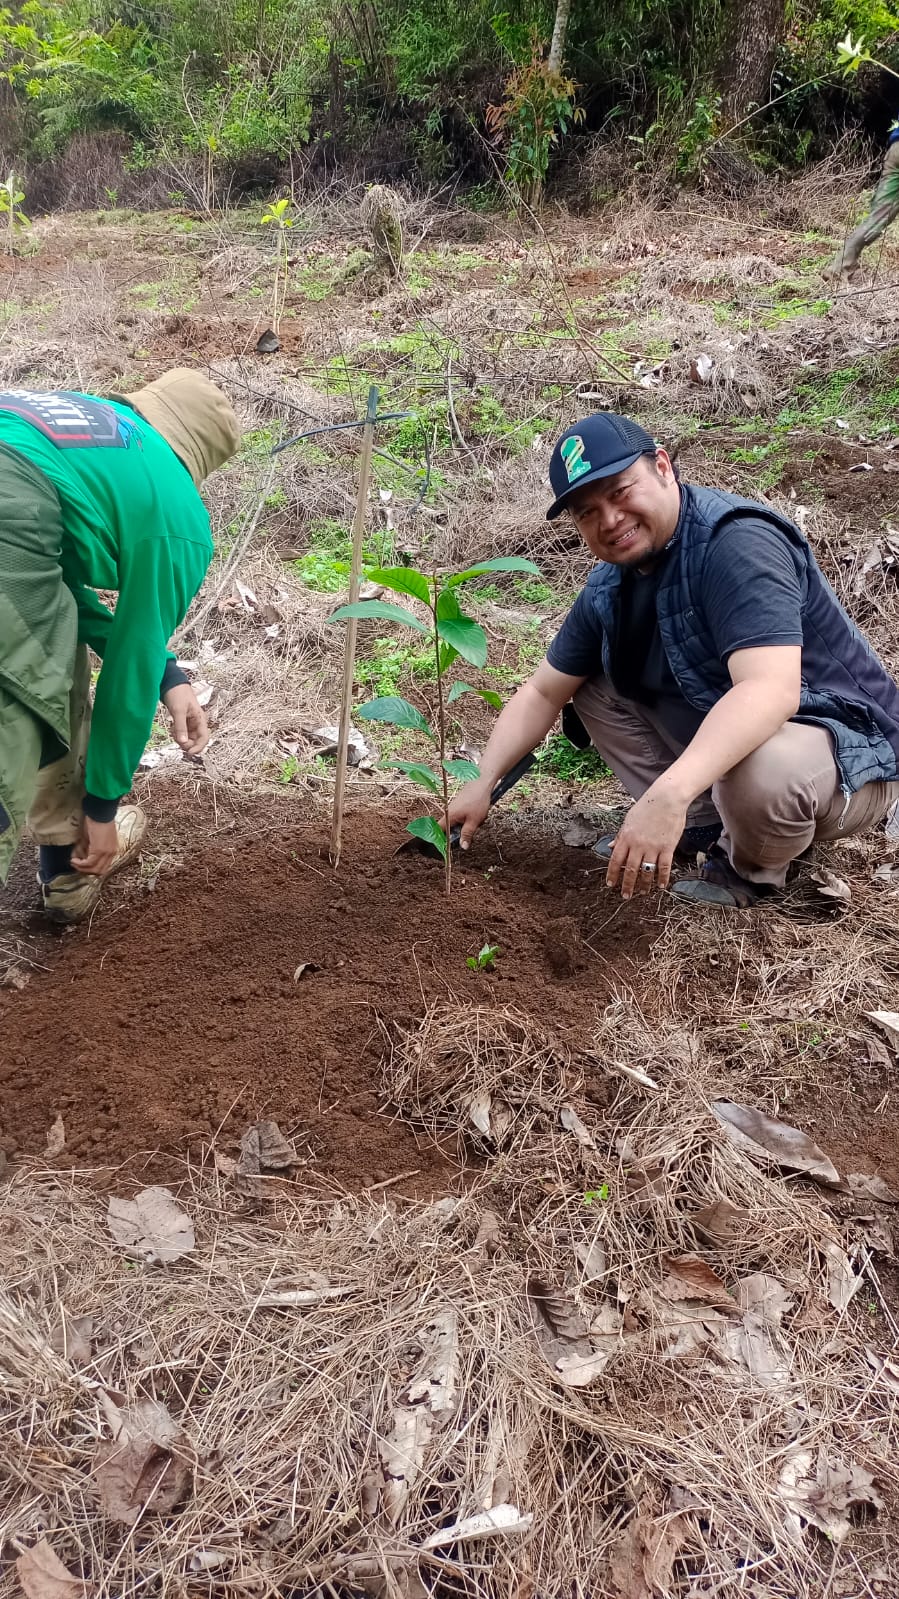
(349, 653)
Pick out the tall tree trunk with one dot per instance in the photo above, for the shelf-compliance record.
(750, 35)
(560, 28)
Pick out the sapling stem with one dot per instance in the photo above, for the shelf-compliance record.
(441, 745)
(349, 649)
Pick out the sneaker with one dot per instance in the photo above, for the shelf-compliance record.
(72, 896)
(719, 884)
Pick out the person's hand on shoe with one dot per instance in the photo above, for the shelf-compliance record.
(468, 809)
(190, 728)
(649, 835)
(96, 849)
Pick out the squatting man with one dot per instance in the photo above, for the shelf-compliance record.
(96, 494)
(715, 671)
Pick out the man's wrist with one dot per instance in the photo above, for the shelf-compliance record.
(675, 785)
(99, 810)
(173, 676)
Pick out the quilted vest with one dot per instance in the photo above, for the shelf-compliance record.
(852, 694)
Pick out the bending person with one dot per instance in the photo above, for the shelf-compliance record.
(96, 494)
(715, 671)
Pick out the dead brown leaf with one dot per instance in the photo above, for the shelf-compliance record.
(488, 1238)
(645, 1185)
(263, 1147)
(842, 1281)
(365, 1573)
(556, 1309)
(886, 1369)
(56, 1139)
(822, 1492)
(641, 1564)
(402, 1456)
(436, 1378)
(878, 1054)
(563, 1336)
(682, 1327)
(479, 1112)
(888, 1021)
(147, 1465)
(71, 1338)
(151, 1227)
(43, 1575)
(578, 833)
(572, 1123)
(592, 1258)
(866, 1186)
(764, 1296)
(877, 1236)
(687, 1277)
(830, 886)
(753, 1342)
(764, 1137)
(721, 1223)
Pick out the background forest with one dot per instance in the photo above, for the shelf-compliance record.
(213, 99)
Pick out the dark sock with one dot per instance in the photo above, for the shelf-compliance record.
(693, 839)
(53, 860)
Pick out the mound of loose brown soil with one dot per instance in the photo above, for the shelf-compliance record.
(180, 1017)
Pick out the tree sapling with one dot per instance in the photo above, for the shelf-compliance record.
(11, 198)
(278, 216)
(454, 636)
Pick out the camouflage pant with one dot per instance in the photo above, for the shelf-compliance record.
(55, 815)
(884, 207)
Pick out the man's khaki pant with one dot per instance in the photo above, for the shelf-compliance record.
(773, 804)
(56, 816)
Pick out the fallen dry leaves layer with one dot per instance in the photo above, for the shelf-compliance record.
(674, 1343)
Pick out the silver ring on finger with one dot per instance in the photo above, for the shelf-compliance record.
(648, 866)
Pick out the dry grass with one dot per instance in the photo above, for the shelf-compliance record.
(488, 1075)
(289, 1411)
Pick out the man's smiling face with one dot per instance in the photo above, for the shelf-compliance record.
(628, 518)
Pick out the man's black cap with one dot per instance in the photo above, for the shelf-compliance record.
(597, 447)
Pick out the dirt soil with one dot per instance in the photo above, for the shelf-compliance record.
(179, 1017)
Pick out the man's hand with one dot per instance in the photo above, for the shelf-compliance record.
(96, 849)
(468, 809)
(190, 728)
(650, 833)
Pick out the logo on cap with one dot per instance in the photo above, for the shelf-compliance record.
(572, 453)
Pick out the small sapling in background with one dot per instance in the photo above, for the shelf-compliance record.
(278, 217)
(485, 959)
(11, 197)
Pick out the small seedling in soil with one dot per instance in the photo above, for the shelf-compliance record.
(11, 198)
(453, 636)
(278, 216)
(485, 959)
(596, 1193)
